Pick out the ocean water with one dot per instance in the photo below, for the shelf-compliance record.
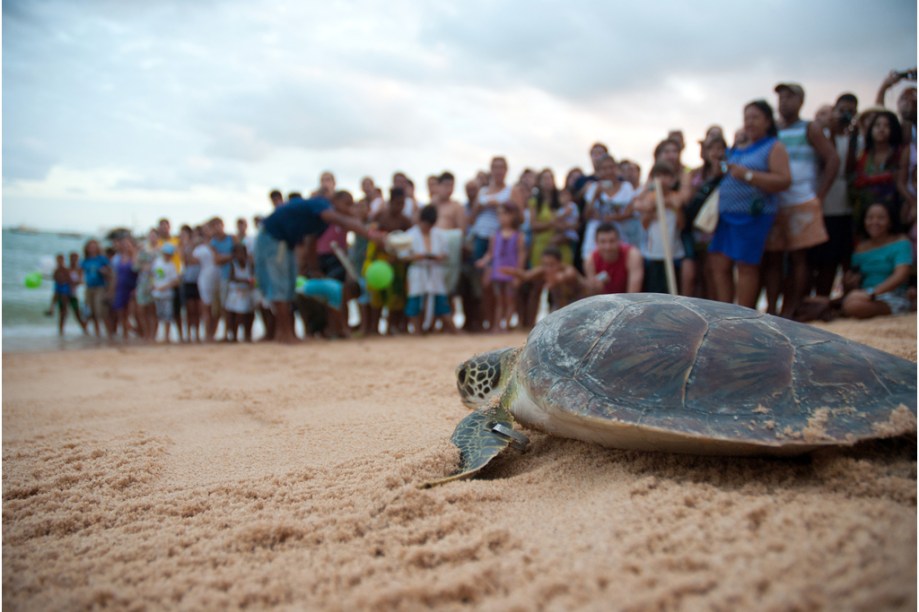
(25, 327)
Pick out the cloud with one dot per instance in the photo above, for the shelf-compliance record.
(183, 175)
(28, 159)
(227, 96)
(243, 84)
(322, 113)
(584, 50)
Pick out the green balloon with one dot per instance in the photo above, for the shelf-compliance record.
(301, 281)
(379, 275)
(33, 280)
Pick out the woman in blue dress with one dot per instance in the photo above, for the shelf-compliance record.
(747, 206)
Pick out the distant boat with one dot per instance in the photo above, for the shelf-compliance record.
(70, 234)
(24, 229)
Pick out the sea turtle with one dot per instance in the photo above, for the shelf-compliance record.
(660, 373)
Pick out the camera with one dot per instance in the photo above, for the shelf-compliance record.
(846, 118)
(909, 75)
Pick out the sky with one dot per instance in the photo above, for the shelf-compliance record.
(118, 113)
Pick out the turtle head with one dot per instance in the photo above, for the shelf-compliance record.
(482, 378)
(489, 428)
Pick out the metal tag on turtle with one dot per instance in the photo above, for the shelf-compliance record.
(517, 440)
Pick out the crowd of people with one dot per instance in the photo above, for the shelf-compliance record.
(801, 205)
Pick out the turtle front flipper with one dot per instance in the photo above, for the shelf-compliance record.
(481, 437)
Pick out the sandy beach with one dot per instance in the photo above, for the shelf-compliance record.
(256, 476)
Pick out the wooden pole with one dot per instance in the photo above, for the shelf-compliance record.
(345, 262)
(665, 237)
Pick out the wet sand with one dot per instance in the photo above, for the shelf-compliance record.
(258, 476)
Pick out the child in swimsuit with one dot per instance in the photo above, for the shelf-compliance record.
(63, 291)
(563, 282)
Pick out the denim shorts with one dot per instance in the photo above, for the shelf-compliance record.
(164, 309)
(275, 268)
(441, 305)
(479, 247)
(896, 300)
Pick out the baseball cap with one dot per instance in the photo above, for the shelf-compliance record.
(792, 87)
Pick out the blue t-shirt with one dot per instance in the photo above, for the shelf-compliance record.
(92, 270)
(582, 181)
(297, 219)
(877, 264)
(224, 247)
(327, 290)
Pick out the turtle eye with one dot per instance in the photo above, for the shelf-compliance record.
(461, 376)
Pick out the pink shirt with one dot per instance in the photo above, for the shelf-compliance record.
(333, 233)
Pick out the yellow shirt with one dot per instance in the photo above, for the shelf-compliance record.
(177, 258)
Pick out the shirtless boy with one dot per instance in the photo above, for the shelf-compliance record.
(564, 283)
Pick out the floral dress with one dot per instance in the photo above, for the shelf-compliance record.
(874, 182)
(143, 265)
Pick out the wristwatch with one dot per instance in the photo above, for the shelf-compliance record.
(748, 176)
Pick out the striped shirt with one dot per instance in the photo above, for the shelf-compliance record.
(486, 224)
(802, 159)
